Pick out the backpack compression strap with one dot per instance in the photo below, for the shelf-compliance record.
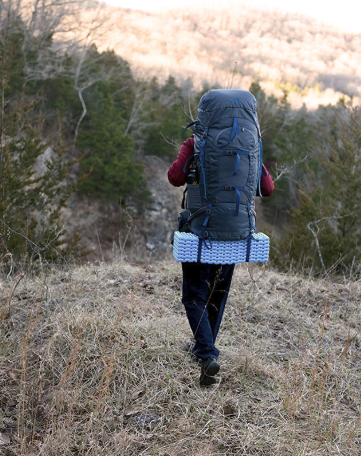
(237, 153)
(238, 197)
(260, 167)
(202, 233)
(248, 254)
(235, 130)
(202, 152)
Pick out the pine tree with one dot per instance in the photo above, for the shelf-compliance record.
(33, 173)
(113, 174)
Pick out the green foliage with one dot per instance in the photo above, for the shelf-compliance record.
(33, 173)
(113, 173)
(58, 98)
(33, 187)
(109, 150)
(109, 119)
(107, 86)
(326, 223)
(166, 117)
(287, 137)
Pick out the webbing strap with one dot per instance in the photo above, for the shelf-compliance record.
(238, 162)
(201, 236)
(238, 153)
(199, 254)
(238, 195)
(230, 188)
(235, 152)
(184, 198)
(253, 228)
(260, 167)
(202, 152)
(235, 130)
(195, 122)
(198, 212)
(249, 239)
(252, 225)
(238, 200)
(190, 159)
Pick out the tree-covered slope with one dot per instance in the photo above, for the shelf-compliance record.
(208, 45)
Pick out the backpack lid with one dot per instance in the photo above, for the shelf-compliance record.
(227, 98)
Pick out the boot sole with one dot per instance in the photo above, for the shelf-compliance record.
(207, 381)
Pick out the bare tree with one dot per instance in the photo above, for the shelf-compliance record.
(72, 26)
(137, 119)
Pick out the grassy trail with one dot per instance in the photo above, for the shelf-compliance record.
(92, 363)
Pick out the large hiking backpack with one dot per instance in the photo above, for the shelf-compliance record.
(228, 160)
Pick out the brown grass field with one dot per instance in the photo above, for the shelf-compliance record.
(92, 363)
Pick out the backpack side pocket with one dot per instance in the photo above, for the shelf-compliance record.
(194, 201)
(183, 217)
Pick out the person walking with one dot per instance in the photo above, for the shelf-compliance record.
(206, 286)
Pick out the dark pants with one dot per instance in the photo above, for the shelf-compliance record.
(205, 292)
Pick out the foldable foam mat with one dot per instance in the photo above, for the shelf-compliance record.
(185, 249)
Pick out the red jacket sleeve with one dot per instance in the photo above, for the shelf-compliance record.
(267, 185)
(176, 176)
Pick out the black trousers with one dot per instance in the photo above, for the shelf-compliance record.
(205, 292)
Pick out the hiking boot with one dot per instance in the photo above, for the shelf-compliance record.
(209, 368)
(207, 381)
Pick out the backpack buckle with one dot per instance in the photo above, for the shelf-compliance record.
(228, 188)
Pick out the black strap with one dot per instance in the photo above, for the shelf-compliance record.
(189, 160)
(184, 198)
(249, 239)
(198, 212)
(195, 122)
(202, 234)
(199, 254)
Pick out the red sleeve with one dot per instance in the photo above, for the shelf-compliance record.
(176, 176)
(267, 185)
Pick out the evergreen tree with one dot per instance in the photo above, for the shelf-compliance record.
(113, 174)
(166, 117)
(287, 136)
(326, 223)
(33, 173)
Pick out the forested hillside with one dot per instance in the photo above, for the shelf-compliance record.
(205, 46)
(86, 141)
(93, 101)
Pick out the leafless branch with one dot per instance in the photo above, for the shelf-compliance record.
(287, 170)
(138, 112)
(169, 141)
(314, 228)
(35, 247)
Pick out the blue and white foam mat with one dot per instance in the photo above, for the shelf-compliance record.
(185, 249)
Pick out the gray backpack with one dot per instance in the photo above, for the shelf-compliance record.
(226, 167)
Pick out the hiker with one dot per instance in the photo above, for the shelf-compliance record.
(206, 286)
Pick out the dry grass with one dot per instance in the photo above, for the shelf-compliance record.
(92, 364)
